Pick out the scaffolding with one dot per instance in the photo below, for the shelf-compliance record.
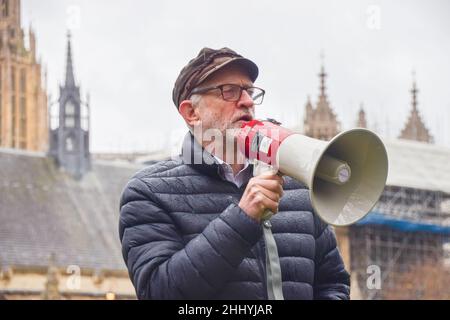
(407, 238)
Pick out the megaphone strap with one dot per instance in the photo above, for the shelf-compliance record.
(273, 270)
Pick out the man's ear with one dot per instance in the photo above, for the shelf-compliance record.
(188, 113)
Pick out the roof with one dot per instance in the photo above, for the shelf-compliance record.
(418, 165)
(377, 218)
(43, 211)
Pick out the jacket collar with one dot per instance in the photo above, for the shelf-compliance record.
(192, 153)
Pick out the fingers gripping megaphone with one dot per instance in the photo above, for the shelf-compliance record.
(345, 176)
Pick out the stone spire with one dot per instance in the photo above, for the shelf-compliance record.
(308, 108)
(415, 128)
(70, 79)
(322, 76)
(69, 142)
(321, 122)
(362, 122)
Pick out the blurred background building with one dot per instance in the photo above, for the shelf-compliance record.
(23, 97)
(59, 203)
(58, 210)
(406, 236)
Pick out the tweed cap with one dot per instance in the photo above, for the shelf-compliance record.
(207, 62)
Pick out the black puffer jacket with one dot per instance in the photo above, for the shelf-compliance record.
(184, 237)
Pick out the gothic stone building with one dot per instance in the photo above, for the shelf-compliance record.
(59, 210)
(69, 140)
(407, 234)
(415, 128)
(23, 100)
(321, 122)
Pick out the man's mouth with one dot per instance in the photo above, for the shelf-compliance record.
(245, 117)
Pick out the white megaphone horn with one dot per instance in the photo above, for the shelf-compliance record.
(345, 176)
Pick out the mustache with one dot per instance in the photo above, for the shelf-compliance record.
(244, 116)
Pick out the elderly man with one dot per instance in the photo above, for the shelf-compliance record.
(191, 227)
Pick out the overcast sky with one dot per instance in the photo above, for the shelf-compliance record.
(127, 55)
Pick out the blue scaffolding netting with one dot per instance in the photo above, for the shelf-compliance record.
(377, 218)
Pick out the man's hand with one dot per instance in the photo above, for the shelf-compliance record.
(262, 192)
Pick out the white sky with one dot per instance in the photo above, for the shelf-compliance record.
(127, 54)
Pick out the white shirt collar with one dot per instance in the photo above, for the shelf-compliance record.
(226, 172)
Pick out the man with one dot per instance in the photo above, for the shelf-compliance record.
(192, 229)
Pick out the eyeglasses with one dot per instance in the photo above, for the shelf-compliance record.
(233, 92)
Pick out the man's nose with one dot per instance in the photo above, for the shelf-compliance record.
(246, 100)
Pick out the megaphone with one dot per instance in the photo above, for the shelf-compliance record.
(345, 176)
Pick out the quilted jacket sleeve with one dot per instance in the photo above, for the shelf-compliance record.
(332, 281)
(162, 266)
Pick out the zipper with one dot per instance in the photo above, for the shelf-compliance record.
(262, 264)
(260, 250)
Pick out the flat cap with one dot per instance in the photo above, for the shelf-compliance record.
(207, 62)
